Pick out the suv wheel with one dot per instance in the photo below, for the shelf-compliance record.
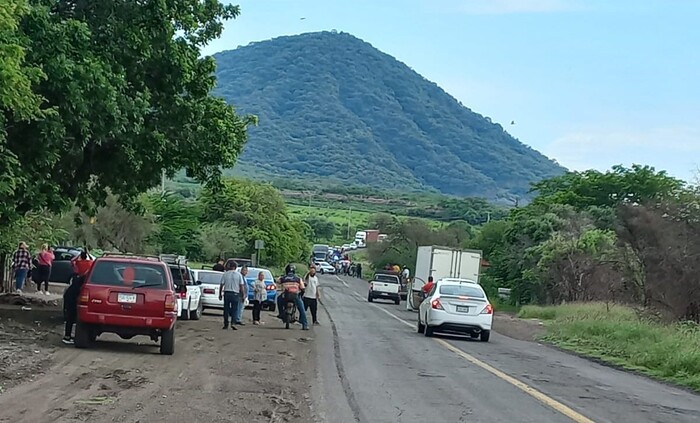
(196, 314)
(82, 335)
(485, 335)
(167, 342)
(421, 327)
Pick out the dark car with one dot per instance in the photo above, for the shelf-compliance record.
(62, 269)
(240, 262)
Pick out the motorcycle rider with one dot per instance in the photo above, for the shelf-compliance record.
(292, 285)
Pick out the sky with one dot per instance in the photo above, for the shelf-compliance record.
(589, 83)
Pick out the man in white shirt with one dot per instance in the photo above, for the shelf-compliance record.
(312, 294)
(406, 273)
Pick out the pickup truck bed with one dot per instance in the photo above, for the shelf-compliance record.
(384, 286)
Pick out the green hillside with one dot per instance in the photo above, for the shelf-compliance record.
(333, 108)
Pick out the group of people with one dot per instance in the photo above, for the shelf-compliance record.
(36, 268)
(233, 291)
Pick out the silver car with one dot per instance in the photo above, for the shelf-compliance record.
(211, 280)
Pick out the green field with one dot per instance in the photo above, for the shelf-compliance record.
(356, 218)
(618, 335)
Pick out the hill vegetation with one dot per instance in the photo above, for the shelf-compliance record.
(332, 108)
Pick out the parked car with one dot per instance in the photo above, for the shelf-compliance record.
(324, 267)
(456, 306)
(385, 286)
(270, 285)
(210, 281)
(128, 295)
(189, 292)
(62, 270)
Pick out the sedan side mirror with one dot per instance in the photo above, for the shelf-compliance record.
(198, 282)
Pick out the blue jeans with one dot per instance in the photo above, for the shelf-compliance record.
(20, 276)
(300, 309)
(239, 311)
(231, 300)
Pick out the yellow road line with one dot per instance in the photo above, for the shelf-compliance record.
(548, 401)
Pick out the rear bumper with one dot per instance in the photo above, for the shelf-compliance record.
(117, 320)
(387, 295)
(442, 321)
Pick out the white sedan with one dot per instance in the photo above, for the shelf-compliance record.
(456, 306)
(210, 282)
(324, 267)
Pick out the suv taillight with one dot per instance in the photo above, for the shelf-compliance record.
(272, 287)
(183, 295)
(488, 309)
(84, 297)
(170, 303)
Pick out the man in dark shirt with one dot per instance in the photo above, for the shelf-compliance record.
(219, 266)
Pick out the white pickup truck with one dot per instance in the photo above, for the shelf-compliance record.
(385, 286)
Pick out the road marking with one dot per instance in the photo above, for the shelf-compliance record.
(548, 401)
(344, 283)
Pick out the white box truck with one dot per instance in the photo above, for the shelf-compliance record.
(442, 262)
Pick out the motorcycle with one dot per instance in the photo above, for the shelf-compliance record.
(290, 309)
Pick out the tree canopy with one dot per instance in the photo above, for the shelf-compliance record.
(91, 101)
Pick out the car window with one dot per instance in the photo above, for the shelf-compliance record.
(181, 275)
(386, 278)
(253, 274)
(112, 273)
(212, 278)
(461, 290)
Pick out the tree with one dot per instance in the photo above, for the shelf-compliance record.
(322, 228)
(178, 225)
(221, 240)
(120, 104)
(382, 222)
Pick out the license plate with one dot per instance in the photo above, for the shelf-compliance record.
(126, 298)
(462, 309)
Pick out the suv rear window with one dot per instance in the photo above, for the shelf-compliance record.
(386, 278)
(211, 278)
(114, 273)
(180, 273)
(461, 291)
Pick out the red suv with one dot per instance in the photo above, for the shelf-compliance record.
(128, 295)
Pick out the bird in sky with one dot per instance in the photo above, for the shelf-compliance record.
(512, 122)
(302, 19)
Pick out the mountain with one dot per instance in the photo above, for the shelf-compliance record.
(333, 108)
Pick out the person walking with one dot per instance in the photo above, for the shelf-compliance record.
(21, 262)
(259, 297)
(44, 260)
(243, 297)
(312, 294)
(229, 292)
(81, 265)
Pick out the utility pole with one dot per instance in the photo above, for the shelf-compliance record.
(162, 182)
(488, 216)
(349, 218)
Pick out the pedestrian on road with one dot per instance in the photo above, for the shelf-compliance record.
(45, 260)
(219, 266)
(243, 297)
(229, 292)
(21, 262)
(405, 274)
(82, 265)
(312, 294)
(259, 297)
(358, 270)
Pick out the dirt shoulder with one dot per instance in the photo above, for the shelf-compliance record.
(520, 329)
(255, 374)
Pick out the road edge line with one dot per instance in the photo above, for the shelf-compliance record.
(541, 397)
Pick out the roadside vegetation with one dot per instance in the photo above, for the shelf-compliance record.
(626, 337)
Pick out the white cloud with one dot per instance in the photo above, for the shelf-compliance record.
(675, 149)
(483, 7)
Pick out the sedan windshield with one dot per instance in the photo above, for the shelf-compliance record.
(462, 291)
(209, 278)
(253, 274)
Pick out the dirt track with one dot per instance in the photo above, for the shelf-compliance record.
(214, 376)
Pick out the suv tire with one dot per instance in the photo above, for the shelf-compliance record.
(167, 342)
(485, 335)
(197, 313)
(82, 335)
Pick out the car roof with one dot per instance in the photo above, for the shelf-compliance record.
(457, 281)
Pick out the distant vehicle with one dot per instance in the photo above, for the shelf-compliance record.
(128, 295)
(270, 303)
(62, 269)
(320, 251)
(189, 292)
(240, 262)
(456, 306)
(385, 286)
(323, 267)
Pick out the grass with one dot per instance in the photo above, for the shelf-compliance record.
(617, 335)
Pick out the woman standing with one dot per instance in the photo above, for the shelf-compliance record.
(259, 297)
(45, 260)
(21, 262)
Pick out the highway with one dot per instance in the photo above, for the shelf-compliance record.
(373, 366)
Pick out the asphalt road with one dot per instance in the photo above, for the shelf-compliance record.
(374, 367)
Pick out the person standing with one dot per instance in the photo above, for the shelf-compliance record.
(21, 262)
(45, 260)
(219, 266)
(405, 274)
(358, 270)
(312, 294)
(229, 292)
(81, 265)
(242, 297)
(259, 297)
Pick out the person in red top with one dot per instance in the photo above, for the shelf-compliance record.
(45, 260)
(428, 286)
(82, 263)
